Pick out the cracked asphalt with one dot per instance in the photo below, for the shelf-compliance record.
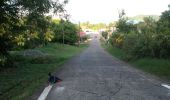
(96, 75)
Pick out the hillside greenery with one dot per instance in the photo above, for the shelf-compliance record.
(141, 17)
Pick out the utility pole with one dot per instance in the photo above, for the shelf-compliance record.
(62, 29)
(79, 35)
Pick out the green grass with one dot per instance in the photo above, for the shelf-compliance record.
(19, 83)
(118, 53)
(158, 67)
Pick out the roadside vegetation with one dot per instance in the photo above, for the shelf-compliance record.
(31, 46)
(146, 44)
(32, 71)
(97, 26)
(88, 25)
(25, 25)
(155, 66)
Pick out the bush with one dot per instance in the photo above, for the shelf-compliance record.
(105, 34)
(70, 32)
(129, 44)
(150, 38)
(6, 62)
(161, 46)
(117, 40)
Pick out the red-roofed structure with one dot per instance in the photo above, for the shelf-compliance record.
(82, 34)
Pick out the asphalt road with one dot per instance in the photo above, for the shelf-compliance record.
(96, 75)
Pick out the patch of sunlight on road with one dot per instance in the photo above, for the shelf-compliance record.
(59, 89)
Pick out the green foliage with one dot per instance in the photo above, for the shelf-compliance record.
(48, 35)
(146, 39)
(129, 44)
(116, 52)
(105, 34)
(39, 29)
(88, 25)
(65, 30)
(8, 23)
(117, 39)
(21, 82)
(23, 23)
(20, 40)
(164, 23)
(124, 27)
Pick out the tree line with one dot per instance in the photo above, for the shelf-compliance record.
(97, 26)
(149, 38)
(24, 24)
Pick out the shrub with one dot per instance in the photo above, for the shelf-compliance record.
(66, 28)
(117, 40)
(105, 34)
(129, 44)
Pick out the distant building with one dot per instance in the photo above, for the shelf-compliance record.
(82, 34)
(88, 31)
(133, 22)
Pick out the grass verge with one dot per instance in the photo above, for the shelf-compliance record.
(20, 82)
(158, 67)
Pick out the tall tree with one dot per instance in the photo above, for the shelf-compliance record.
(12, 20)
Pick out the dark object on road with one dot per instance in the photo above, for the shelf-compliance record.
(53, 79)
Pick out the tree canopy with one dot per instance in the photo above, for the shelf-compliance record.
(24, 21)
(150, 38)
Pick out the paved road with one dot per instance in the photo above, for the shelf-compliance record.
(96, 75)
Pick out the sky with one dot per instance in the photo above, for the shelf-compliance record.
(105, 11)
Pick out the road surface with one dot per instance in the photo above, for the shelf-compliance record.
(96, 75)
